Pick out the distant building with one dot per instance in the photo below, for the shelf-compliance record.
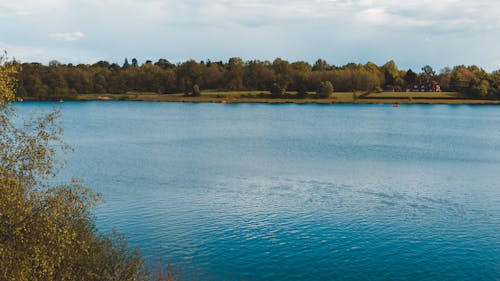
(435, 86)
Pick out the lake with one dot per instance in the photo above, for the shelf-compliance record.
(295, 192)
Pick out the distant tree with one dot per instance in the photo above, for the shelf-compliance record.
(31, 84)
(282, 71)
(258, 75)
(164, 64)
(134, 62)
(277, 91)
(444, 78)
(189, 73)
(196, 91)
(428, 75)
(100, 83)
(234, 74)
(320, 65)
(102, 64)
(8, 80)
(478, 88)
(352, 77)
(495, 83)
(302, 91)
(325, 89)
(461, 78)
(126, 64)
(299, 74)
(235, 61)
(213, 75)
(117, 83)
(56, 82)
(427, 70)
(54, 63)
(391, 75)
(410, 78)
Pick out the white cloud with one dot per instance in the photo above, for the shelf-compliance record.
(337, 30)
(32, 7)
(26, 53)
(67, 36)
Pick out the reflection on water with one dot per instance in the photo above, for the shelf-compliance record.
(263, 192)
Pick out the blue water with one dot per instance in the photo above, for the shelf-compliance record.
(295, 192)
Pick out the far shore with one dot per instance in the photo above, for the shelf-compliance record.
(265, 97)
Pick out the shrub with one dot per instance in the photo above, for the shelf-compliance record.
(196, 91)
(325, 89)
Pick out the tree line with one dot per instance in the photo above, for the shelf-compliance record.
(56, 80)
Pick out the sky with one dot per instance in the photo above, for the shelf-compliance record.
(414, 33)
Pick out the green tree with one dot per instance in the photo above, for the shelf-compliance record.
(259, 75)
(164, 64)
(444, 78)
(392, 77)
(277, 91)
(135, 63)
(495, 83)
(325, 89)
(234, 74)
(282, 71)
(100, 83)
(196, 91)
(427, 70)
(410, 78)
(478, 88)
(117, 83)
(461, 78)
(47, 233)
(427, 76)
(301, 91)
(126, 64)
(8, 79)
(189, 73)
(320, 65)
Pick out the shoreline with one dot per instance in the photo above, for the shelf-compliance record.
(251, 97)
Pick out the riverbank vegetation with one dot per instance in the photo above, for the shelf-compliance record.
(293, 97)
(255, 81)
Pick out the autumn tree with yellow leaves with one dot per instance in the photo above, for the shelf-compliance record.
(46, 232)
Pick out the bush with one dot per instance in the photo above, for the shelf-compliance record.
(196, 91)
(302, 93)
(325, 89)
(277, 91)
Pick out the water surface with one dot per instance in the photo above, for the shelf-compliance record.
(295, 192)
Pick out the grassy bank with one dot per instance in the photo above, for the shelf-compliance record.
(265, 97)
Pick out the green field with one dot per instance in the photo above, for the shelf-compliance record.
(264, 97)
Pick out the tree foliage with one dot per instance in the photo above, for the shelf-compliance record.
(277, 90)
(48, 232)
(196, 91)
(57, 80)
(325, 89)
(8, 79)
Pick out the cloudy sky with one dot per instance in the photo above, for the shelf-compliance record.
(412, 32)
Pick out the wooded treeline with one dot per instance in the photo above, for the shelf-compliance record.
(58, 80)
